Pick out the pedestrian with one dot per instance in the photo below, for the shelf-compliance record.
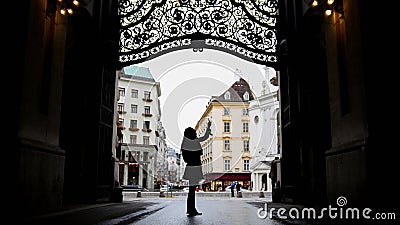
(233, 188)
(191, 153)
(238, 186)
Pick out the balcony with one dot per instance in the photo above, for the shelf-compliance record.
(146, 130)
(121, 111)
(147, 99)
(133, 129)
(147, 114)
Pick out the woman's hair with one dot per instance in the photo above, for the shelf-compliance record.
(190, 133)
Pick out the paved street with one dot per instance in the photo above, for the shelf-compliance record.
(219, 211)
(171, 211)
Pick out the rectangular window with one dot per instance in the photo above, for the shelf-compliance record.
(146, 140)
(227, 127)
(133, 139)
(147, 95)
(226, 111)
(245, 112)
(147, 109)
(146, 125)
(145, 156)
(134, 93)
(246, 145)
(245, 127)
(246, 165)
(133, 108)
(133, 123)
(120, 107)
(121, 91)
(227, 145)
(227, 164)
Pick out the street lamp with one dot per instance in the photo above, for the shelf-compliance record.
(329, 6)
(64, 7)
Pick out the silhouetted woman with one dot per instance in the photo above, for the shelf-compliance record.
(191, 153)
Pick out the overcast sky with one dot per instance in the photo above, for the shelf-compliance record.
(188, 80)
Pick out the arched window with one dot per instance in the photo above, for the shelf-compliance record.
(246, 96)
(227, 95)
(256, 119)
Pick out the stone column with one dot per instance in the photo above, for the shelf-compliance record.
(125, 181)
(139, 179)
(269, 182)
(260, 183)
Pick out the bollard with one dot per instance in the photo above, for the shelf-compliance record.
(139, 194)
(239, 194)
(162, 194)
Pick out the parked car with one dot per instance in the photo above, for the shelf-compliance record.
(164, 188)
(133, 187)
(228, 189)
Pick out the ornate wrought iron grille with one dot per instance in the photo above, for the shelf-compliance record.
(244, 27)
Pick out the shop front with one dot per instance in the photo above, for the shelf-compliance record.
(219, 181)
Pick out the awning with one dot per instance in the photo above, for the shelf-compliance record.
(228, 176)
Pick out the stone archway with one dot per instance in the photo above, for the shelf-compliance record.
(243, 28)
(37, 132)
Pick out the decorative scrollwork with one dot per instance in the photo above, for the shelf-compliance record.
(246, 27)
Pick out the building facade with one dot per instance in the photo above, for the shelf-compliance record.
(161, 161)
(139, 115)
(226, 153)
(264, 132)
(173, 167)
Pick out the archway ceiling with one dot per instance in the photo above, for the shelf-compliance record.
(242, 27)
